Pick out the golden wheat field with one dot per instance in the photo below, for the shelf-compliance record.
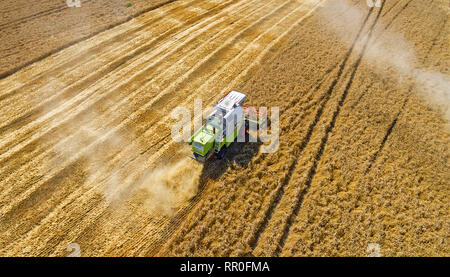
(87, 155)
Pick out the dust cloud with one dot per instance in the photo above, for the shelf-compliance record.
(168, 187)
(106, 155)
(389, 50)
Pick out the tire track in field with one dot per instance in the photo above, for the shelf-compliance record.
(397, 14)
(380, 147)
(280, 191)
(386, 136)
(312, 170)
(372, 160)
(386, 11)
(347, 88)
(435, 39)
(399, 113)
(36, 15)
(362, 95)
(12, 6)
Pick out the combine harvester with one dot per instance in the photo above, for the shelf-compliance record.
(223, 126)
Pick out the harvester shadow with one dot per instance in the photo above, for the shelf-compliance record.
(239, 155)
